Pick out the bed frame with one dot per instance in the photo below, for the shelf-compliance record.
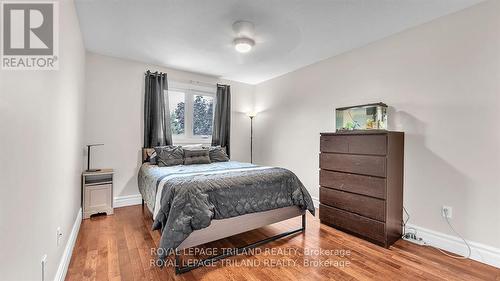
(219, 229)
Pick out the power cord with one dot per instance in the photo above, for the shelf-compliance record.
(406, 235)
(469, 250)
(413, 236)
(405, 221)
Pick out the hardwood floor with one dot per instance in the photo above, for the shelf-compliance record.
(119, 247)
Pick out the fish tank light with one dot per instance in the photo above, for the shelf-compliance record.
(361, 117)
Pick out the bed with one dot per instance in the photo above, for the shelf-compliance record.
(196, 204)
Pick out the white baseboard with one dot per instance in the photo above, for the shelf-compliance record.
(315, 202)
(129, 200)
(62, 269)
(480, 252)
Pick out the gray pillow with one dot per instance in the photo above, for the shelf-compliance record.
(218, 154)
(169, 155)
(196, 156)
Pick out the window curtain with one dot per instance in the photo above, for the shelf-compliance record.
(157, 130)
(222, 117)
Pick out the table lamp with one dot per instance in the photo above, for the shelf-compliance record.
(89, 146)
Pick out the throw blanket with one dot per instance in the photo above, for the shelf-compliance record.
(188, 201)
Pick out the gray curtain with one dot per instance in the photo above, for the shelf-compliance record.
(222, 117)
(156, 113)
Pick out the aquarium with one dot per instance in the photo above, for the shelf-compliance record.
(362, 117)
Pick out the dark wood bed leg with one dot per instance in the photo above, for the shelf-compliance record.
(142, 203)
(304, 222)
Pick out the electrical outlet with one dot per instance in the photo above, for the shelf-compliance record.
(447, 212)
(44, 265)
(59, 236)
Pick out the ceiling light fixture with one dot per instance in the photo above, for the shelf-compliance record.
(243, 45)
(243, 42)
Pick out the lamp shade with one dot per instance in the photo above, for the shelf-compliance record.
(251, 114)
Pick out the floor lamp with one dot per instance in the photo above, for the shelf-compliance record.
(251, 115)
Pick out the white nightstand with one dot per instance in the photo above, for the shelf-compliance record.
(97, 192)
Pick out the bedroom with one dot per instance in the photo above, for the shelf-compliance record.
(287, 65)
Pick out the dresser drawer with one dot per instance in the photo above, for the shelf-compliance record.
(356, 144)
(357, 164)
(362, 205)
(337, 144)
(366, 227)
(365, 185)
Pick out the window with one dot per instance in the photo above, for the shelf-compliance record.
(177, 107)
(191, 113)
(203, 115)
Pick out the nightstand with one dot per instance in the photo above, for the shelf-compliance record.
(97, 192)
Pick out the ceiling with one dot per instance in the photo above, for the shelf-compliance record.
(196, 35)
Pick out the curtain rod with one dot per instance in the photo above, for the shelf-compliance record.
(187, 81)
(154, 73)
(194, 82)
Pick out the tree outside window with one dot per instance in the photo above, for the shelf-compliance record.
(177, 107)
(203, 112)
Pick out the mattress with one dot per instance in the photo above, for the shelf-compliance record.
(151, 176)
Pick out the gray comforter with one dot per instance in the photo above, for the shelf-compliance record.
(189, 203)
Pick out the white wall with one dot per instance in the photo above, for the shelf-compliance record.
(442, 81)
(41, 121)
(114, 115)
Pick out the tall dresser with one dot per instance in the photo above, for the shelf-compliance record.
(361, 183)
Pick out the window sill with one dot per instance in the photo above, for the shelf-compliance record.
(191, 141)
